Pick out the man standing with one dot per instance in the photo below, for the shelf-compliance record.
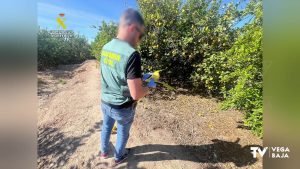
(121, 83)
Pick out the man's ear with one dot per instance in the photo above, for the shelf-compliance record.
(131, 27)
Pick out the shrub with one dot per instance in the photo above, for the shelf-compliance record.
(180, 35)
(236, 73)
(199, 45)
(53, 51)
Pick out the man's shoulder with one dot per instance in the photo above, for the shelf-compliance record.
(107, 44)
(119, 47)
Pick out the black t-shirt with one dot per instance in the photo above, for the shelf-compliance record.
(133, 67)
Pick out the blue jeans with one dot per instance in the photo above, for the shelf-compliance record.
(124, 118)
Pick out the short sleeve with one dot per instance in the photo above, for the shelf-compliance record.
(133, 67)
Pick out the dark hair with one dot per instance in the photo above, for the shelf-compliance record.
(132, 16)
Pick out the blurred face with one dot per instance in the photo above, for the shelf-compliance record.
(136, 33)
(132, 33)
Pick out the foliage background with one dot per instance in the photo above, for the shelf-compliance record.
(53, 51)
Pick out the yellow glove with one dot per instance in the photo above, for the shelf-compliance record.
(155, 75)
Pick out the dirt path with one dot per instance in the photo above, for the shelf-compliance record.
(181, 131)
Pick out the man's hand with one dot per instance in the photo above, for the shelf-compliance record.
(136, 88)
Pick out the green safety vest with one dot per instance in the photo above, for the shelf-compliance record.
(114, 58)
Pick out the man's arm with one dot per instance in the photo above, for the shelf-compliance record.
(136, 88)
(134, 77)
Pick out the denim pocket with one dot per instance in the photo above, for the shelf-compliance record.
(123, 114)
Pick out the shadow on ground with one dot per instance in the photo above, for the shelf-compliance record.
(53, 143)
(218, 152)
